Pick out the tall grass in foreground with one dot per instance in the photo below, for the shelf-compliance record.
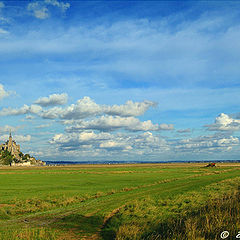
(189, 216)
(207, 222)
(28, 234)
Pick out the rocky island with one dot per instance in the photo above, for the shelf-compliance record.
(11, 155)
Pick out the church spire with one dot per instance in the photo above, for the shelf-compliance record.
(10, 136)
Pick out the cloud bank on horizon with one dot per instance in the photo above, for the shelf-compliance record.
(127, 81)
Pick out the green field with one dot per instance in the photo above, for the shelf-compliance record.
(135, 201)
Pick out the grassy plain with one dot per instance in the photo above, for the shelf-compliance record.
(133, 201)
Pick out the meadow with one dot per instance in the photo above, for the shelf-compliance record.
(132, 201)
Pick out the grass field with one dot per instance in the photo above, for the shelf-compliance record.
(135, 201)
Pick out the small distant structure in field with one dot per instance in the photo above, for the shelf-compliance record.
(211, 165)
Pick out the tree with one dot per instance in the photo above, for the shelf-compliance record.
(21, 154)
(6, 157)
(26, 156)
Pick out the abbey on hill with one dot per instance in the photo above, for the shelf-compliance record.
(10, 154)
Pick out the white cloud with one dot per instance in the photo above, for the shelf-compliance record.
(83, 137)
(73, 141)
(52, 100)
(40, 9)
(130, 108)
(63, 6)
(113, 145)
(100, 142)
(166, 127)
(111, 123)
(3, 92)
(149, 143)
(86, 107)
(34, 109)
(212, 143)
(224, 123)
(52, 113)
(11, 111)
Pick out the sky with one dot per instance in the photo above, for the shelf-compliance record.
(121, 80)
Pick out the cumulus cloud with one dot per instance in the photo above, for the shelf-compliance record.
(136, 144)
(113, 145)
(52, 100)
(224, 123)
(76, 141)
(165, 127)
(3, 92)
(111, 123)
(81, 134)
(147, 142)
(40, 9)
(86, 107)
(130, 108)
(35, 109)
(212, 143)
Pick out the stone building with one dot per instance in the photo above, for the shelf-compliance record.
(12, 147)
(20, 159)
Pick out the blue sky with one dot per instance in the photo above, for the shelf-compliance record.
(121, 80)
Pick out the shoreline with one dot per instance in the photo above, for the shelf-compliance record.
(148, 164)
